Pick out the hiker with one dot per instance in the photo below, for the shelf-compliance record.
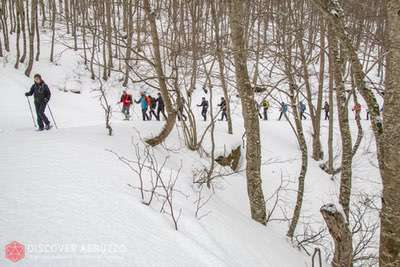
(204, 105)
(368, 114)
(326, 109)
(152, 107)
(283, 110)
(144, 105)
(160, 107)
(265, 106)
(41, 95)
(222, 106)
(126, 100)
(357, 110)
(302, 109)
(181, 105)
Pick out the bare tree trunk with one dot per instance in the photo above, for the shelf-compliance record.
(18, 18)
(304, 158)
(23, 29)
(318, 154)
(390, 214)
(250, 114)
(129, 42)
(341, 234)
(331, 84)
(31, 38)
(170, 123)
(53, 28)
(37, 35)
(347, 155)
(220, 57)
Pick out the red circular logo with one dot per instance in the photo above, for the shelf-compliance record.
(15, 251)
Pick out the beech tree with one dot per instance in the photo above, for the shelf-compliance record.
(250, 114)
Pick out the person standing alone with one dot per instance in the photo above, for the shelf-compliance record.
(41, 94)
(326, 109)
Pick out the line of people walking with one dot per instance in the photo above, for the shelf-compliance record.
(153, 107)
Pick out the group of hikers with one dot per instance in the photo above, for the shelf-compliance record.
(149, 105)
(154, 106)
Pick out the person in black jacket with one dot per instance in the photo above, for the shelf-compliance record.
(326, 109)
(204, 105)
(222, 106)
(41, 95)
(160, 107)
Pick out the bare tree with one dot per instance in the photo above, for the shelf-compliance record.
(250, 114)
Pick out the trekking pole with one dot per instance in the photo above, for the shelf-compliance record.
(30, 108)
(51, 114)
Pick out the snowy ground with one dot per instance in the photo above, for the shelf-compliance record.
(67, 199)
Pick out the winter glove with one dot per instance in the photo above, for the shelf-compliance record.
(27, 94)
(46, 100)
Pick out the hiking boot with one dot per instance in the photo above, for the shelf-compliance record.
(48, 127)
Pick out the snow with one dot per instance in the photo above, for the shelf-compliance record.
(67, 199)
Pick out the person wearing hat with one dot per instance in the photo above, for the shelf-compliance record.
(41, 95)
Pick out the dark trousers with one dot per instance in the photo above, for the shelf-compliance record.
(223, 115)
(326, 115)
(144, 115)
(302, 116)
(125, 111)
(280, 116)
(152, 113)
(204, 114)
(265, 114)
(159, 112)
(41, 117)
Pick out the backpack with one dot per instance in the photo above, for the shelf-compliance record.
(148, 100)
(153, 103)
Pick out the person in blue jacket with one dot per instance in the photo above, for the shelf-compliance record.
(302, 109)
(144, 105)
(284, 109)
(41, 95)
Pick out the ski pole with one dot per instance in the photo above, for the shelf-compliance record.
(51, 114)
(30, 108)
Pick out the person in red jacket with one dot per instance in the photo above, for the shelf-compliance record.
(357, 110)
(126, 100)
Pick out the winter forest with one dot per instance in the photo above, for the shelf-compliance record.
(200, 133)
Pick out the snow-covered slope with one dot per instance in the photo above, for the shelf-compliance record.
(67, 199)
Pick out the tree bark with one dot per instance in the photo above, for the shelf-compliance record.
(250, 114)
(390, 214)
(170, 123)
(341, 234)
(31, 38)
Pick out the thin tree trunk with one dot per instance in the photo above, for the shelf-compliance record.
(31, 38)
(221, 63)
(347, 156)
